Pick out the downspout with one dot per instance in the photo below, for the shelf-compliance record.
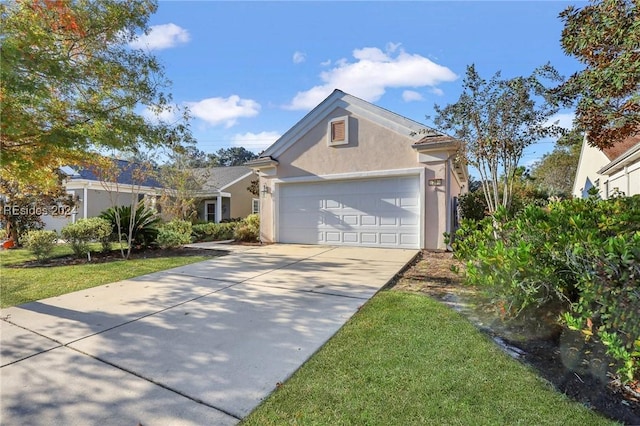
(448, 202)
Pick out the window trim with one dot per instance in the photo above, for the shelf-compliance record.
(330, 140)
(206, 213)
(255, 206)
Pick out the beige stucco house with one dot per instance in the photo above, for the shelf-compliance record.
(352, 173)
(614, 170)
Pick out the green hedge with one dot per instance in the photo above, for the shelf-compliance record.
(40, 242)
(84, 231)
(204, 232)
(582, 254)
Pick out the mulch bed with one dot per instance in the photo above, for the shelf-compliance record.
(573, 367)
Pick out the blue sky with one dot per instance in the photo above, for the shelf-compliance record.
(249, 71)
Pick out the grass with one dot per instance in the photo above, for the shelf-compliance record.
(21, 285)
(406, 359)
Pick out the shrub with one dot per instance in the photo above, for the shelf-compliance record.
(609, 304)
(3, 234)
(174, 234)
(145, 224)
(40, 242)
(84, 231)
(583, 255)
(472, 205)
(249, 229)
(213, 231)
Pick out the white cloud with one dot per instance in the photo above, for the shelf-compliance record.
(299, 57)
(166, 115)
(326, 63)
(256, 142)
(411, 95)
(437, 91)
(161, 37)
(564, 119)
(372, 73)
(225, 111)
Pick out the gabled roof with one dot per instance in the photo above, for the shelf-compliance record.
(615, 151)
(622, 154)
(357, 106)
(126, 174)
(219, 178)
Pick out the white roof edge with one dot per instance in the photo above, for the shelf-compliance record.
(355, 105)
(621, 161)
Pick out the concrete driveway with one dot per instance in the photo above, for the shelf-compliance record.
(202, 344)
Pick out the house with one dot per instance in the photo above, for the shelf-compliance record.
(612, 170)
(352, 173)
(94, 195)
(225, 193)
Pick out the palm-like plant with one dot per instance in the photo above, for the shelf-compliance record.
(140, 230)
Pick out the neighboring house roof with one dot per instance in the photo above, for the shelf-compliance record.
(615, 151)
(126, 174)
(219, 178)
(627, 152)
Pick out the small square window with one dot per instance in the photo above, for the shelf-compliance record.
(338, 131)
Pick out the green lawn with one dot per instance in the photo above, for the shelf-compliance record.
(21, 285)
(406, 359)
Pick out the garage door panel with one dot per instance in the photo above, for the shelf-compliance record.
(368, 212)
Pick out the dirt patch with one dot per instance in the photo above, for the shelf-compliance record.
(577, 369)
(115, 255)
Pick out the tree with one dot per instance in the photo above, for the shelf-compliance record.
(497, 120)
(605, 36)
(22, 205)
(69, 83)
(194, 158)
(130, 216)
(234, 156)
(182, 183)
(556, 171)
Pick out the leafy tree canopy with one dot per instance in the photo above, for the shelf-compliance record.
(70, 83)
(497, 119)
(605, 37)
(556, 171)
(234, 156)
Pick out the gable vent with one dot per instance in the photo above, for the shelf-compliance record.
(338, 132)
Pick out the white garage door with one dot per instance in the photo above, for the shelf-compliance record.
(365, 212)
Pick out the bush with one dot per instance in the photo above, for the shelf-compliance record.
(583, 255)
(145, 224)
(249, 229)
(3, 234)
(40, 242)
(174, 234)
(472, 205)
(84, 231)
(213, 231)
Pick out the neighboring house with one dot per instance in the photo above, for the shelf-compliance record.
(612, 171)
(94, 196)
(351, 173)
(225, 193)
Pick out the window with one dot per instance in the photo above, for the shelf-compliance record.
(255, 205)
(338, 131)
(210, 211)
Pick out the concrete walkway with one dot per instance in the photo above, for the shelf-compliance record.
(201, 344)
